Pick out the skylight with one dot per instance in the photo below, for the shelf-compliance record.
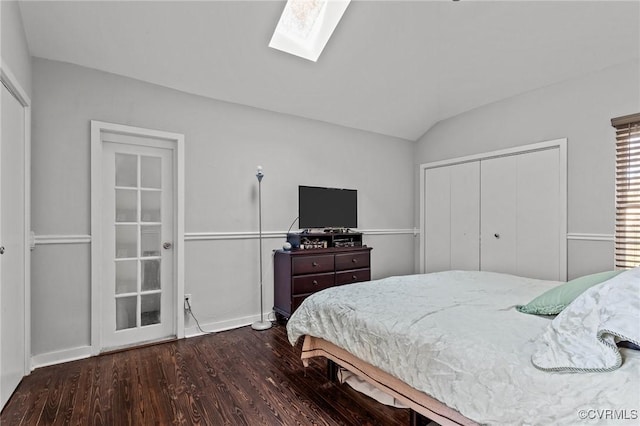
(306, 26)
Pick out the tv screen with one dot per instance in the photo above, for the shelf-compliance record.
(327, 207)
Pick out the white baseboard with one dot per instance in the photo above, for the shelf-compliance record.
(58, 357)
(82, 352)
(225, 325)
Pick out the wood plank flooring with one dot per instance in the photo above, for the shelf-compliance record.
(237, 377)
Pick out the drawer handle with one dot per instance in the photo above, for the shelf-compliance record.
(355, 277)
(314, 282)
(314, 264)
(354, 260)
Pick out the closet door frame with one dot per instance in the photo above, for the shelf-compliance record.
(560, 144)
(8, 78)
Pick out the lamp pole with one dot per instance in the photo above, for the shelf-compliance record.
(262, 324)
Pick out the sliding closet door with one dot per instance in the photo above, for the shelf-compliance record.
(465, 223)
(538, 211)
(437, 216)
(521, 213)
(498, 232)
(503, 211)
(452, 203)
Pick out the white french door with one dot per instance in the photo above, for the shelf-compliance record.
(138, 282)
(12, 245)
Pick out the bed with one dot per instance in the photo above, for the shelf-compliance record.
(452, 347)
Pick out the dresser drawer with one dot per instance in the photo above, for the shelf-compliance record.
(353, 276)
(300, 273)
(313, 283)
(296, 301)
(312, 264)
(352, 261)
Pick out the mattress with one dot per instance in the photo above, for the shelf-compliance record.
(456, 337)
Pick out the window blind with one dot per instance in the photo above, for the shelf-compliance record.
(627, 235)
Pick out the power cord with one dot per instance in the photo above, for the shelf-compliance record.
(188, 309)
(271, 316)
(294, 221)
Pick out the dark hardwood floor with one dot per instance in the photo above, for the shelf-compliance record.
(238, 377)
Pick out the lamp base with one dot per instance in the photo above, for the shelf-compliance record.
(261, 325)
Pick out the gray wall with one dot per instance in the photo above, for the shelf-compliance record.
(223, 145)
(13, 47)
(579, 110)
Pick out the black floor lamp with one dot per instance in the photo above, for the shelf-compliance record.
(262, 324)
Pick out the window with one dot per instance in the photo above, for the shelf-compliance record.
(627, 240)
(306, 26)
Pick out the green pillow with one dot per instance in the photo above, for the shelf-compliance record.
(553, 301)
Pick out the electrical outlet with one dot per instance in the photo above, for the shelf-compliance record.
(187, 301)
(187, 296)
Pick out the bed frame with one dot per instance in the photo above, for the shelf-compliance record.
(420, 403)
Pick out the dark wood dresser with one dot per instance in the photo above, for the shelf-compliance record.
(300, 273)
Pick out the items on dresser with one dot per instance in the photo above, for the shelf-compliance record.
(300, 273)
(329, 239)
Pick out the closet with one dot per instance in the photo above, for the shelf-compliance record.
(503, 211)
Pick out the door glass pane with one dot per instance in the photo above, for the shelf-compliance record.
(126, 205)
(150, 206)
(126, 170)
(126, 276)
(126, 312)
(150, 306)
(151, 274)
(126, 241)
(151, 172)
(150, 240)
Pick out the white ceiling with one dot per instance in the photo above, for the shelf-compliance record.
(394, 68)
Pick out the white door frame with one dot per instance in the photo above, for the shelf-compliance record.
(97, 127)
(560, 144)
(8, 79)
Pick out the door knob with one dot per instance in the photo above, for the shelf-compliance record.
(2, 250)
(166, 245)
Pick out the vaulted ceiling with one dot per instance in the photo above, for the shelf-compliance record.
(394, 68)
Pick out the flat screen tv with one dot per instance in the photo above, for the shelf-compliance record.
(327, 207)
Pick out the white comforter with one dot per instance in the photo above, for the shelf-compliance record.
(457, 337)
(583, 336)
